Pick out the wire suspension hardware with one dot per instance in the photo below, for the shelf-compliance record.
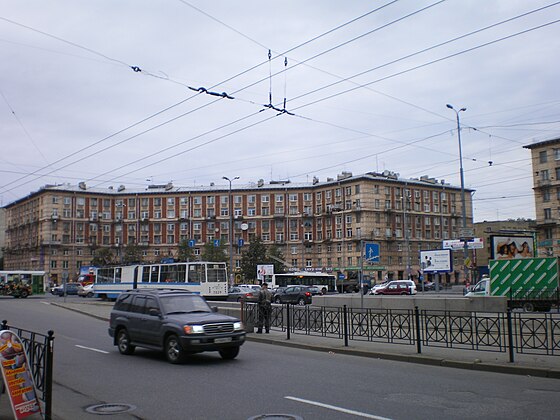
(204, 90)
(270, 105)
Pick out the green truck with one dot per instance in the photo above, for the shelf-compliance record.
(528, 283)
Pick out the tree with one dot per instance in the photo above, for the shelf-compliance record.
(133, 253)
(257, 253)
(103, 257)
(214, 253)
(276, 257)
(185, 252)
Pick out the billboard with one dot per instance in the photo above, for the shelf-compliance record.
(436, 261)
(264, 271)
(509, 247)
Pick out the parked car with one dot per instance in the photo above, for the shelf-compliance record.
(397, 287)
(300, 295)
(428, 285)
(85, 291)
(242, 293)
(276, 290)
(256, 287)
(173, 321)
(71, 289)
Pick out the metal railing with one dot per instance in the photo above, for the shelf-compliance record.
(511, 332)
(39, 349)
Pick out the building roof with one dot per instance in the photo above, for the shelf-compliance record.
(542, 143)
(283, 185)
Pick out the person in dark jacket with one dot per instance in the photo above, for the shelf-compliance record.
(265, 309)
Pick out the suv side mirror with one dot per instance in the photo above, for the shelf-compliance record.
(214, 309)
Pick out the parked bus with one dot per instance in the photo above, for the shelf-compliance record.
(325, 282)
(206, 278)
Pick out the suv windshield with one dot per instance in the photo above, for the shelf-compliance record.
(184, 304)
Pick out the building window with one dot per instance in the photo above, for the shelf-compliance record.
(547, 214)
(542, 156)
(546, 195)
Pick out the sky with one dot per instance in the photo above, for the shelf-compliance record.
(123, 92)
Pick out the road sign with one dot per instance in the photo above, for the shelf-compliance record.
(371, 254)
(192, 243)
(466, 232)
(216, 242)
(240, 243)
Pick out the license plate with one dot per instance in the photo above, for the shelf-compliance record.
(222, 340)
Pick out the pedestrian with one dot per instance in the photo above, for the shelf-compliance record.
(265, 309)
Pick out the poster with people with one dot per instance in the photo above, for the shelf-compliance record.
(17, 377)
(510, 247)
(264, 272)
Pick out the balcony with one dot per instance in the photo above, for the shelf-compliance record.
(543, 183)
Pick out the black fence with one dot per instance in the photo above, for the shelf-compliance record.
(511, 332)
(39, 349)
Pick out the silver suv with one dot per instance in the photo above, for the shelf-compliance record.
(176, 322)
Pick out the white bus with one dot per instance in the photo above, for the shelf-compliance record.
(325, 282)
(208, 279)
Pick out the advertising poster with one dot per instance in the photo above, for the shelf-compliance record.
(436, 261)
(264, 271)
(510, 247)
(17, 376)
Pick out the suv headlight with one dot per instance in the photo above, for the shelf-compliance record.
(237, 326)
(193, 329)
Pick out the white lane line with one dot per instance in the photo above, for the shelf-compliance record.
(342, 410)
(92, 349)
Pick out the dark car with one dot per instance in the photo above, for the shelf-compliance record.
(300, 295)
(242, 293)
(174, 321)
(70, 288)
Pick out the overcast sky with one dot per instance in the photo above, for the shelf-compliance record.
(364, 89)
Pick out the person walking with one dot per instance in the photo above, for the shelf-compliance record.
(265, 309)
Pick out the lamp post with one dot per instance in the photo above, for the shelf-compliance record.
(230, 210)
(464, 208)
(121, 206)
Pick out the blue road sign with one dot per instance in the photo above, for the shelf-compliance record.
(216, 242)
(192, 242)
(371, 254)
(240, 242)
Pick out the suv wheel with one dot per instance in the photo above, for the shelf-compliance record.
(123, 342)
(173, 350)
(301, 301)
(229, 353)
(277, 300)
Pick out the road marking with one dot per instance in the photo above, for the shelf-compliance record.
(92, 349)
(342, 410)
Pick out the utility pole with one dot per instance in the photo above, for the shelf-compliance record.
(230, 210)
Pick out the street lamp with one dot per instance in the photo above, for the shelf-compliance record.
(230, 230)
(464, 208)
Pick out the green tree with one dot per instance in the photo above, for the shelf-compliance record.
(133, 254)
(276, 257)
(185, 252)
(103, 257)
(257, 253)
(214, 253)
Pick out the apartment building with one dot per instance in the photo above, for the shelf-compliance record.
(545, 160)
(318, 225)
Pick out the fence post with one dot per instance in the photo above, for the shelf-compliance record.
(288, 323)
(510, 335)
(49, 375)
(418, 336)
(345, 324)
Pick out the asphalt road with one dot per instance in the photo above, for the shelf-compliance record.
(265, 379)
